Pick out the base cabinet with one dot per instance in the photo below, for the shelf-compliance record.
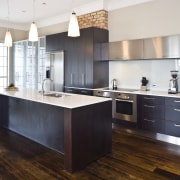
(151, 113)
(159, 114)
(78, 91)
(172, 116)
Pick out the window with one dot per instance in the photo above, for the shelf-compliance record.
(3, 65)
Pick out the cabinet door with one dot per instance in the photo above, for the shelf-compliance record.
(154, 125)
(70, 63)
(172, 128)
(55, 42)
(88, 41)
(151, 113)
(172, 113)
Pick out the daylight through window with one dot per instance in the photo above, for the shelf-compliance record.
(3, 65)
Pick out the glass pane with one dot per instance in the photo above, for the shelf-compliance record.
(1, 61)
(1, 82)
(1, 71)
(1, 51)
(5, 51)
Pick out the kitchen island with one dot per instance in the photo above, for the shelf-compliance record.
(78, 126)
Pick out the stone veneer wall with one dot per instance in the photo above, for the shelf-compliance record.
(95, 19)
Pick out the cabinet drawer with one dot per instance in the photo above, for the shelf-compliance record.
(154, 125)
(172, 128)
(86, 92)
(153, 111)
(172, 101)
(152, 100)
(70, 90)
(172, 113)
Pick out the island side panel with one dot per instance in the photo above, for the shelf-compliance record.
(40, 122)
(88, 134)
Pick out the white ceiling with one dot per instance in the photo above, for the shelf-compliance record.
(49, 12)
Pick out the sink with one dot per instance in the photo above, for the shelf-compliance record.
(54, 94)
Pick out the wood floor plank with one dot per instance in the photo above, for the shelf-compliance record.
(133, 157)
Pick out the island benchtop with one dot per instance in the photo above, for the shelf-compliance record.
(66, 101)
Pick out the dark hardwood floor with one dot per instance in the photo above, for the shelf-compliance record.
(133, 157)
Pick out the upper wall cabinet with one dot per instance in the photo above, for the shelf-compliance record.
(162, 47)
(126, 50)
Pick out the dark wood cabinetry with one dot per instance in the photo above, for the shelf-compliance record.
(151, 113)
(78, 91)
(85, 64)
(172, 116)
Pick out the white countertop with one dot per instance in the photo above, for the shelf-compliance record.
(67, 100)
(157, 93)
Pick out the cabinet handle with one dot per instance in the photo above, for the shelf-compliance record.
(124, 100)
(84, 92)
(71, 78)
(153, 121)
(149, 98)
(177, 125)
(176, 101)
(82, 79)
(149, 106)
(177, 110)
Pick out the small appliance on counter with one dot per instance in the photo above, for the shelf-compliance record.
(144, 82)
(114, 84)
(173, 84)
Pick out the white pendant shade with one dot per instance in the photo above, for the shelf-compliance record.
(8, 39)
(33, 33)
(73, 29)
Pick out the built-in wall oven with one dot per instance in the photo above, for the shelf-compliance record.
(125, 106)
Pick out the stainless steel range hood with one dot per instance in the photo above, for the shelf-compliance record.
(165, 47)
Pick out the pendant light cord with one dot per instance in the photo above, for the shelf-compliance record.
(8, 14)
(33, 10)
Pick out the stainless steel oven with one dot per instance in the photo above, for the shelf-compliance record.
(125, 106)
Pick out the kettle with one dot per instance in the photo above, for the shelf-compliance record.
(114, 84)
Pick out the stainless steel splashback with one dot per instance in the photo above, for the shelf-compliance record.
(150, 48)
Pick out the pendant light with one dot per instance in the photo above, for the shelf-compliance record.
(8, 37)
(33, 33)
(73, 29)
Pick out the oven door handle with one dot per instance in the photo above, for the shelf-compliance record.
(124, 100)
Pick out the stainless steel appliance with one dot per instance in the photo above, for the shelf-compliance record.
(125, 106)
(124, 103)
(55, 70)
(173, 84)
(114, 84)
(101, 93)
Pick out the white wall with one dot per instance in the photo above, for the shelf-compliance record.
(16, 34)
(157, 18)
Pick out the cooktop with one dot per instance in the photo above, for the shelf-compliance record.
(121, 89)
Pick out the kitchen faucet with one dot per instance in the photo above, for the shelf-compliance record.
(43, 82)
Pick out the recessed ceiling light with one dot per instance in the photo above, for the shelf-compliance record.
(44, 3)
(24, 11)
